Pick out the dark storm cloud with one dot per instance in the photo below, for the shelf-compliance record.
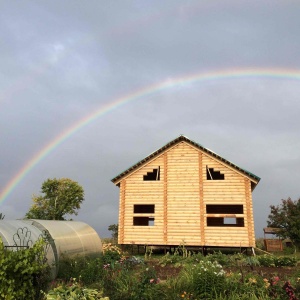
(60, 61)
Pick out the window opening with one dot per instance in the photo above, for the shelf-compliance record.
(144, 208)
(224, 209)
(151, 222)
(143, 221)
(211, 174)
(225, 222)
(229, 221)
(153, 176)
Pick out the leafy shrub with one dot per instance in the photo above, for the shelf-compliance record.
(23, 273)
(274, 261)
(284, 261)
(266, 260)
(204, 280)
(112, 248)
(281, 289)
(221, 258)
(74, 290)
(111, 253)
(88, 269)
(209, 278)
(126, 281)
(260, 244)
(169, 259)
(238, 284)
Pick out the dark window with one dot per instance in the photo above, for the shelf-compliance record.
(143, 221)
(153, 176)
(225, 222)
(224, 209)
(144, 208)
(211, 174)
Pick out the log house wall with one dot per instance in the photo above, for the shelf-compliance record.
(180, 198)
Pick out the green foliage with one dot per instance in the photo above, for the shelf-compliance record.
(286, 216)
(201, 277)
(74, 290)
(277, 261)
(221, 258)
(111, 253)
(179, 257)
(61, 197)
(169, 259)
(240, 285)
(128, 282)
(89, 270)
(110, 257)
(205, 279)
(23, 273)
(260, 244)
(114, 230)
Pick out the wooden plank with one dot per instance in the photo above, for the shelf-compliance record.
(228, 236)
(225, 198)
(224, 188)
(121, 212)
(220, 193)
(165, 199)
(249, 212)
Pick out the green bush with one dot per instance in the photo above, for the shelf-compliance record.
(111, 253)
(23, 273)
(204, 280)
(131, 282)
(169, 259)
(284, 261)
(75, 291)
(266, 260)
(277, 261)
(88, 269)
(238, 284)
(221, 258)
(209, 279)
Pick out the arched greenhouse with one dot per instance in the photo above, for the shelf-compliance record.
(67, 238)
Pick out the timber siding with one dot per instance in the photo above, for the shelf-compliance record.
(181, 204)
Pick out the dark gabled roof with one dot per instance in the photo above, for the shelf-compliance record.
(174, 142)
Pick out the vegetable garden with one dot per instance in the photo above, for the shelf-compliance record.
(181, 274)
(178, 275)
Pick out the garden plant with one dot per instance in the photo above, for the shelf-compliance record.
(177, 275)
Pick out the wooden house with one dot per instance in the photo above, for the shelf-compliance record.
(186, 194)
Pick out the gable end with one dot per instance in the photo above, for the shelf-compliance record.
(116, 180)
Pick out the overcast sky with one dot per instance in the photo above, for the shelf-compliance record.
(63, 60)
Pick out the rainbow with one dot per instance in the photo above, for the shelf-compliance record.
(286, 74)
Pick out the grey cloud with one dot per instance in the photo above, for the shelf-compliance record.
(62, 61)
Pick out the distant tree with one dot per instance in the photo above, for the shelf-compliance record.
(114, 230)
(60, 197)
(1, 216)
(286, 217)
